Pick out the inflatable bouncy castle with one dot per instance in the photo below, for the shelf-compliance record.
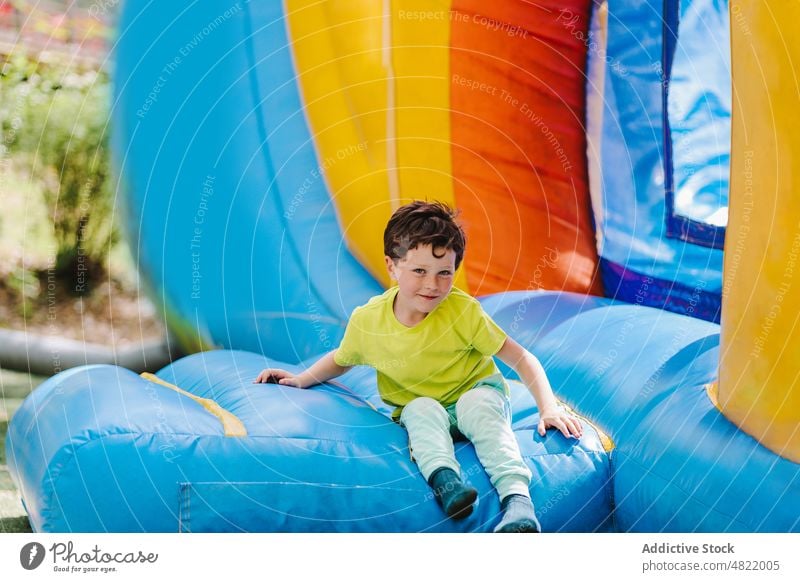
(628, 221)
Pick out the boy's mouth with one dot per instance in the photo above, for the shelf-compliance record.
(429, 297)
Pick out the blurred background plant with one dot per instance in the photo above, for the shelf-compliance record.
(64, 273)
(63, 269)
(55, 127)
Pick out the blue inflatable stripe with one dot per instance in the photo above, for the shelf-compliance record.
(227, 207)
(633, 287)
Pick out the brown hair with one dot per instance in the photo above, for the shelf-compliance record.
(424, 223)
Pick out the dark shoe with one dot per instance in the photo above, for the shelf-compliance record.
(518, 516)
(455, 498)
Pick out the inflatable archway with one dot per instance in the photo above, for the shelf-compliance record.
(262, 146)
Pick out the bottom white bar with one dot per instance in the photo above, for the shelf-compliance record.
(354, 557)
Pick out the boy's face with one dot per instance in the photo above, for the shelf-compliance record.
(423, 280)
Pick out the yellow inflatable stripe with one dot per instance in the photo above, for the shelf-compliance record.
(339, 54)
(232, 426)
(595, 110)
(375, 84)
(712, 391)
(421, 64)
(758, 387)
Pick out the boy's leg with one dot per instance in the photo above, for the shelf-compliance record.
(483, 416)
(428, 426)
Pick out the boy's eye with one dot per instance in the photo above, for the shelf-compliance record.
(419, 271)
(445, 273)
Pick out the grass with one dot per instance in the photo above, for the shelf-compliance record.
(14, 387)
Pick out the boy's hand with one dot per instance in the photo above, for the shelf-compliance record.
(562, 420)
(278, 376)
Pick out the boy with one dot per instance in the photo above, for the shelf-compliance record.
(447, 383)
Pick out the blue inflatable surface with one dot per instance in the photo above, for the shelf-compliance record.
(132, 455)
(99, 448)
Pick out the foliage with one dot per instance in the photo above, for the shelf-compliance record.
(26, 284)
(55, 118)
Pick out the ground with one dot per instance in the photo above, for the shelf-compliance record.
(115, 313)
(14, 387)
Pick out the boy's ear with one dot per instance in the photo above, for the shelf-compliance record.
(390, 266)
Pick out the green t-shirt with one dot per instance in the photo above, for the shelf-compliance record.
(442, 357)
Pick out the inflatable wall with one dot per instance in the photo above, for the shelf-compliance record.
(659, 132)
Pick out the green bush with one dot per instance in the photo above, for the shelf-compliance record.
(56, 120)
(25, 284)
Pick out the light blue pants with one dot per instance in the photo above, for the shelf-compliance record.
(483, 416)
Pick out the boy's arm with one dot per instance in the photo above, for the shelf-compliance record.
(532, 374)
(321, 371)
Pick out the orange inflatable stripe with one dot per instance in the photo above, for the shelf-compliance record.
(517, 89)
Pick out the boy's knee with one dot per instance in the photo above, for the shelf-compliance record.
(479, 409)
(481, 400)
(425, 407)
